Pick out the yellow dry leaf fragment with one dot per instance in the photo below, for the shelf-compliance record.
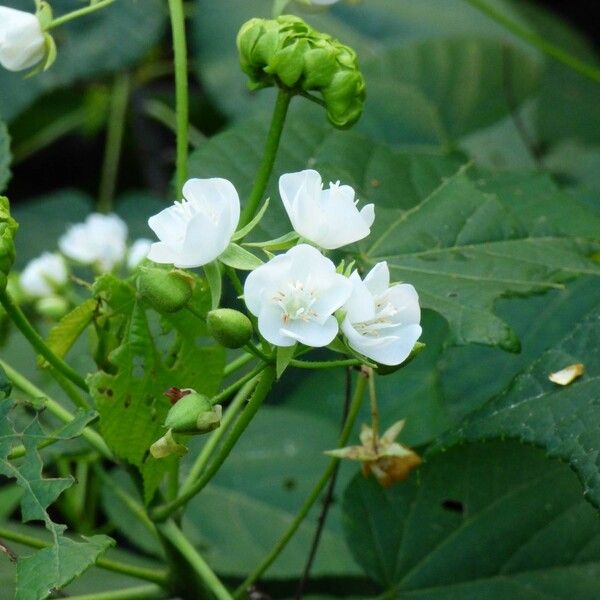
(567, 375)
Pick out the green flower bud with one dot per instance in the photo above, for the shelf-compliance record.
(193, 414)
(8, 228)
(288, 53)
(229, 327)
(167, 291)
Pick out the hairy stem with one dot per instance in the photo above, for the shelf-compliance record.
(152, 575)
(78, 13)
(536, 40)
(260, 393)
(268, 158)
(181, 89)
(114, 141)
(35, 339)
(178, 540)
(316, 492)
(20, 381)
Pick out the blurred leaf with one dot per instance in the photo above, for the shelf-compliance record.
(494, 521)
(109, 40)
(53, 567)
(436, 91)
(463, 249)
(4, 156)
(259, 490)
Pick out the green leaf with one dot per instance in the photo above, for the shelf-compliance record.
(244, 231)
(492, 521)
(283, 357)
(417, 92)
(104, 42)
(66, 332)
(462, 249)
(129, 397)
(236, 257)
(4, 156)
(564, 420)
(214, 279)
(281, 243)
(54, 567)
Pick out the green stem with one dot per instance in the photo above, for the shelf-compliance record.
(260, 393)
(140, 592)
(212, 442)
(70, 390)
(314, 495)
(536, 40)
(268, 158)
(20, 381)
(234, 387)
(324, 364)
(237, 363)
(114, 141)
(152, 575)
(172, 533)
(78, 13)
(181, 88)
(33, 337)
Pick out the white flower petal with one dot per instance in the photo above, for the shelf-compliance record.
(311, 333)
(270, 325)
(360, 305)
(378, 279)
(405, 299)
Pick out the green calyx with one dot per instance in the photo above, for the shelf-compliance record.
(231, 328)
(167, 291)
(193, 414)
(288, 53)
(8, 228)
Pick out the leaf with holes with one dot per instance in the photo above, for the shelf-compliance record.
(494, 521)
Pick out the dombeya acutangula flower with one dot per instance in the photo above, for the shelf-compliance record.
(22, 41)
(382, 322)
(196, 230)
(327, 217)
(294, 296)
(44, 275)
(100, 241)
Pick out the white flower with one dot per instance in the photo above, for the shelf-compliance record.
(100, 240)
(22, 43)
(328, 218)
(382, 322)
(196, 230)
(43, 275)
(294, 296)
(138, 252)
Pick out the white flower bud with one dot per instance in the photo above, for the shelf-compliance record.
(196, 230)
(382, 322)
(22, 43)
(44, 275)
(100, 241)
(294, 296)
(328, 218)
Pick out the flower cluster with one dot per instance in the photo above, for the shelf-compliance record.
(298, 296)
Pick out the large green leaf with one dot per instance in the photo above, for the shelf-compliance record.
(492, 521)
(257, 493)
(55, 566)
(462, 249)
(564, 420)
(4, 156)
(110, 40)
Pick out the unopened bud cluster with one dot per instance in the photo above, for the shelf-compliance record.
(289, 53)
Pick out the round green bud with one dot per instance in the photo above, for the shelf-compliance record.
(288, 53)
(167, 291)
(231, 328)
(8, 228)
(193, 414)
